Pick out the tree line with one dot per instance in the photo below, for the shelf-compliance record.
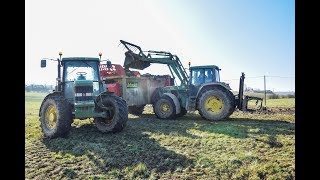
(39, 88)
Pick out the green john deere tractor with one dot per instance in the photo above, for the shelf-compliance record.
(202, 90)
(79, 94)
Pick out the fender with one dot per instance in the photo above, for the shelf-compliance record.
(105, 93)
(223, 85)
(175, 101)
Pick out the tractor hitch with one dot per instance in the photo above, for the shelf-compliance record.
(245, 101)
(242, 100)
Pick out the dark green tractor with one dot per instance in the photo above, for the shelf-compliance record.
(80, 94)
(200, 90)
(203, 92)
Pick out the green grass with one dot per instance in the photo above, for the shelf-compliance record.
(261, 95)
(245, 146)
(281, 103)
(276, 104)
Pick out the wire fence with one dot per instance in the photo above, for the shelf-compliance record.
(266, 87)
(270, 84)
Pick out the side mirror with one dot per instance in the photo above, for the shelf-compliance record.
(109, 65)
(43, 63)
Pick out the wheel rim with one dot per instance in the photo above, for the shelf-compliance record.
(164, 107)
(109, 119)
(51, 117)
(213, 105)
(111, 112)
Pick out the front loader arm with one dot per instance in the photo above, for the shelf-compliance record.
(141, 61)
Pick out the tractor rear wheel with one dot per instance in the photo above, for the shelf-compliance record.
(182, 112)
(136, 110)
(116, 114)
(164, 108)
(215, 104)
(55, 117)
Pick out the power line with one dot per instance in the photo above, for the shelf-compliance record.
(245, 77)
(230, 79)
(261, 77)
(280, 76)
(255, 77)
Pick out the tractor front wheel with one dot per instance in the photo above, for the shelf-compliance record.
(165, 108)
(55, 117)
(215, 104)
(116, 111)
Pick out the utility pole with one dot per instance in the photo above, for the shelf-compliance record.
(265, 92)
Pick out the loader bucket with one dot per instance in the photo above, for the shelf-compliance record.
(135, 58)
(135, 61)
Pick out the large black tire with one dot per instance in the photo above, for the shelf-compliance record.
(182, 112)
(118, 118)
(136, 110)
(232, 99)
(164, 108)
(55, 117)
(216, 104)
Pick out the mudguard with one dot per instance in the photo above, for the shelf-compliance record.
(223, 85)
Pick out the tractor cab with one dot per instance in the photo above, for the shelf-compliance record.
(81, 75)
(204, 74)
(80, 68)
(201, 76)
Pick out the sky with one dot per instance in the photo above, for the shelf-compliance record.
(256, 37)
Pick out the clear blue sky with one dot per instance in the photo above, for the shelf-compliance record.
(252, 36)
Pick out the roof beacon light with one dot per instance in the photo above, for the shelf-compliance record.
(100, 54)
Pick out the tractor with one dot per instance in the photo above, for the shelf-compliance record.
(80, 94)
(200, 90)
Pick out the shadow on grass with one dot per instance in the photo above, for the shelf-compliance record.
(134, 146)
(132, 149)
(233, 127)
(245, 128)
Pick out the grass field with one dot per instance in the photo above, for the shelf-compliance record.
(281, 103)
(245, 146)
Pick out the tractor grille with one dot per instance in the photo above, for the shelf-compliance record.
(83, 93)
